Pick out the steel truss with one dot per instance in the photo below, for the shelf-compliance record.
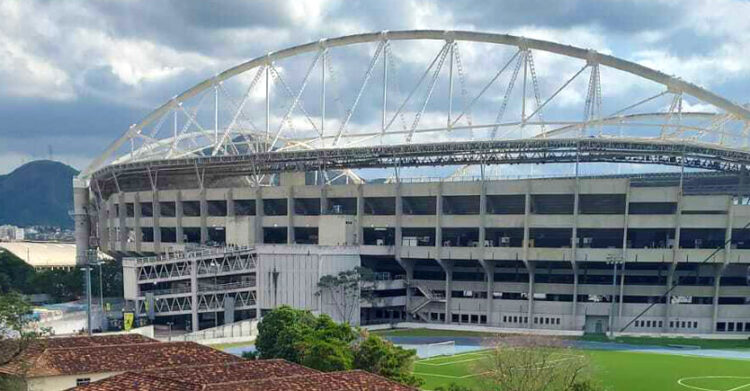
(539, 150)
(181, 130)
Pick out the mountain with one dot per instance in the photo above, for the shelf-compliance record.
(37, 193)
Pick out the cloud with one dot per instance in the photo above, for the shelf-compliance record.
(75, 75)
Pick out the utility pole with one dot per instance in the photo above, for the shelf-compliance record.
(91, 256)
(615, 260)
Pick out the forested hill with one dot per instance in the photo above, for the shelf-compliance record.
(37, 193)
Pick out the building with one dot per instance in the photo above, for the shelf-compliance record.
(664, 250)
(63, 363)
(11, 233)
(266, 375)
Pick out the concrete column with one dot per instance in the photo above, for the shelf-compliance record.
(194, 294)
(290, 216)
(408, 266)
(489, 271)
(324, 199)
(80, 215)
(574, 247)
(482, 217)
(668, 303)
(399, 217)
(113, 239)
(204, 216)
(532, 275)
(156, 212)
(626, 221)
(259, 215)
(123, 211)
(178, 218)
(447, 266)
(137, 222)
(719, 270)
(525, 259)
(574, 312)
(230, 203)
(439, 219)
(360, 214)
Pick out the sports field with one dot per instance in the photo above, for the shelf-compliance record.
(616, 370)
(631, 364)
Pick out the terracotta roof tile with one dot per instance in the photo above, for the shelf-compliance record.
(334, 381)
(31, 353)
(139, 356)
(132, 381)
(233, 372)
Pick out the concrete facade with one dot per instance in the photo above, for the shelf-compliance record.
(560, 254)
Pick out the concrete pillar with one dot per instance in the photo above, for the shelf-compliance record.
(123, 211)
(137, 221)
(447, 266)
(80, 215)
(290, 216)
(532, 274)
(408, 266)
(194, 294)
(360, 214)
(626, 221)
(525, 259)
(324, 198)
(719, 270)
(668, 302)
(399, 218)
(574, 247)
(439, 220)
(482, 217)
(178, 218)
(204, 216)
(259, 215)
(156, 212)
(230, 203)
(489, 271)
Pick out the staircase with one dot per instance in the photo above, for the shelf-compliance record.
(430, 296)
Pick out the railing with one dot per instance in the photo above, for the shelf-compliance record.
(168, 291)
(225, 287)
(199, 252)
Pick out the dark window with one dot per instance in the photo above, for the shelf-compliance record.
(418, 205)
(506, 204)
(461, 205)
(167, 209)
(191, 208)
(191, 235)
(244, 207)
(652, 208)
(217, 235)
(307, 206)
(274, 235)
(380, 206)
(217, 208)
(275, 207)
(342, 206)
(130, 209)
(601, 204)
(147, 234)
(552, 204)
(147, 209)
(168, 235)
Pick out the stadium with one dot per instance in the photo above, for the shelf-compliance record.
(486, 179)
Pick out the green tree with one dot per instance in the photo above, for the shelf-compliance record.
(281, 331)
(327, 355)
(379, 356)
(346, 289)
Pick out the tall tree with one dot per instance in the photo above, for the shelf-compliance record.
(346, 289)
(379, 356)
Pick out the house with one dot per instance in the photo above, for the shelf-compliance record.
(61, 363)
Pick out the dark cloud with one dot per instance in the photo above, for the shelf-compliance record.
(103, 50)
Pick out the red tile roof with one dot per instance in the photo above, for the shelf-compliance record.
(334, 381)
(30, 354)
(132, 381)
(233, 372)
(115, 358)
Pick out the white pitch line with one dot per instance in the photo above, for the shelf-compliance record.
(680, 382)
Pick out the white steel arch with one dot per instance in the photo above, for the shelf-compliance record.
(725, 125)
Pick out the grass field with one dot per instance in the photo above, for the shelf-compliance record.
(615, 370)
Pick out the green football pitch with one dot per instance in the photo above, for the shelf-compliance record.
(615, 370)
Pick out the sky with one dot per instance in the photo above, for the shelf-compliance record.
(75, 74)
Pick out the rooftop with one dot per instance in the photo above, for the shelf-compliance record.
(97, 356)
(299, 378)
